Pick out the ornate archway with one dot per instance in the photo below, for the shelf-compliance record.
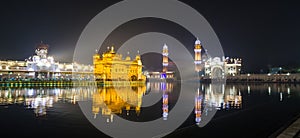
(217, 72)
(216, 68)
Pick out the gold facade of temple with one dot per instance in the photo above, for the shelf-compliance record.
(111, 66)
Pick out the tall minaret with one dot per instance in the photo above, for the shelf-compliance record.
(165, 54)
(198, 59)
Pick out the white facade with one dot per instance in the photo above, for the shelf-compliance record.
(214, 67)
(42, 66)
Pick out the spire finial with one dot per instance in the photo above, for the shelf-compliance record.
(112, 48)
(197, 42)
(165, 46)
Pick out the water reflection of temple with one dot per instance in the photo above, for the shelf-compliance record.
(39, 100)
(229, 97)
(233, 98)
(39, 103)
(223, 97)
(198, 106)
(126, 100)
(159, 86)
(216, 96)
(117, 100)
(10, 96)
(165, 88)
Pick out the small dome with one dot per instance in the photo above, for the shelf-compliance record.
(165, 46)
(42, 46)
(197, 42)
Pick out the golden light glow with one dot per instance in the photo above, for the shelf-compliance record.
(115, 100)
(112, 66)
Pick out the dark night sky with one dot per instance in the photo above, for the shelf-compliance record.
(261, 33)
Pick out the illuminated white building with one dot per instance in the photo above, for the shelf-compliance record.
(215, 67)
(212, 67)
(42, 66)
(233, 66)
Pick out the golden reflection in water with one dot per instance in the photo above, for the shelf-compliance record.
(108, 101)
(116, 100)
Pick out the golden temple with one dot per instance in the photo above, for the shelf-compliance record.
(111, 66)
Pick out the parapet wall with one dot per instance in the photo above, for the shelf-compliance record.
(290, 78)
